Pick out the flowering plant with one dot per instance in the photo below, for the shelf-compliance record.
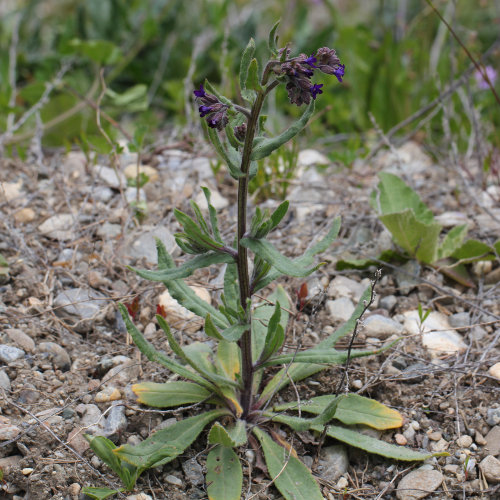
(249, 337)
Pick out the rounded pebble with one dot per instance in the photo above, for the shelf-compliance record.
(464, 441)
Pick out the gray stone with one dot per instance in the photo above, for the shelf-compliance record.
(123, 374)
(59, 227)
(414, 373)
(490, 466)
(131, 194)
(340, 309)
(21, 339)
(333, 463)
(388, 302)
(452, 219)
(60, 358)
(139, 496)
(493, 441)
(173, 480)
(419, 484)
(4, 381)
(110, 177)
(9, 353)
(380, 327)
(459, 320)
(217, 200)
(408, 276)
(116, 421)
(91, 418)
(193, 472)
(341, 286)
(493, 416)
(108, 230)
(8, 431)
(102, 193)
(144, 245)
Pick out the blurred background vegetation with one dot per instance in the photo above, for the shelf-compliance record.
(399, 57)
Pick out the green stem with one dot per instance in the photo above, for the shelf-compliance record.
(245, 342)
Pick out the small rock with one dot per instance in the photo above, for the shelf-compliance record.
(59, 227)
(493, 441)
(144, 245)
(388, 302)
(415, 373)
(60, 358)
(340, 309)
(459, 320)
(439, 446)
(25, 215)
(479, 439)
(173, 480)
(464, 441)
(419, 484)
(27, 471)
(493, 416)
(341, 286)
(110, 177)
(91, 418)
(9, 353)
(409, 434)
(131, 172)
(490, 466)
(108, 394)
(408, 276)
(310, 157)
(102, 193)
(116, 421)
(74, 164)
(8, 464)
(122, 374)
(4, 381)
(217, 200)
(494, 371)
(109, 231)
(8, 431)
(150, 331)
(139, 496)
(436, 334)
(452, 219)
(193, 472)
(333, 463)
(401, 439)
(342, 483)
(9, 191)
(74, 489)
(131, 194)
(380, 327)
(435, 435)
(21, 339)
(76, 440)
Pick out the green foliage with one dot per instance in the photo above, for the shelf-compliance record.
(224, 474)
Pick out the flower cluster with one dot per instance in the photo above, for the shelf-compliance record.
(211, 108)
(299, 71)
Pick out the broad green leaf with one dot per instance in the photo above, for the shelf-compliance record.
(376, 446)
(185, 295)
(246, 59)
(228, 356)
(186, 269)
(166, 444)
(419, 239)
(231, 437)
(170, 393)
(394, 196)
(473, 250)
(273, 39)
(384, 256)
(224, 474)
(200, 353)
(292, 478)
(99, 493)
(266, 146)
(352, 409)
(261, 316)
(252, 81)
(452, 241)
(156, 356)
(266, 250)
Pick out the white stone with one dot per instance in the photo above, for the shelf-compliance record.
(340, 309)
(419, 484)
(437, 336)
(464, 441)
(341, 286)
(9, 191)
(490, 466)
(309, 157)
(217, 200)
(110, 176)
(452, 219)
(59, 227)
(381, 327)
(494, 371)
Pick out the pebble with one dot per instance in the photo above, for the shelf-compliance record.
(79, 303)
(439, 446)
(311, 157)
(122, 374)
(59, 227)
(109, 230)
(10, 190)
(408, 278)
(9, 353)
(401, 439)
(388, 302)
(9, 463)
(479, 439)
(436, 334)
(342, 483)
(108, 394)
(341, 286)
(490, 466)
(25, 215)
(139, 496)
(494, 371)
(116, 421)
(493, 440)
(435, 435)
(493, 416)
(102, 193)
(150, 331)
(381, 327)
(464, 441)
(76, 440)
(193, 472)
(340, 309)
(131, 194)
(110, 176)
(415, 373)
(131, 172)
(21, 339)
(143, 245)
(91, 418)
(4, 381)
(8, 431)
(74, 489)
(173, 480)
(27, 471)
(459, 320)
(217, 200)
(409, 434)
(452, 219)
(59, 356)
(333, 463)
(419, 484)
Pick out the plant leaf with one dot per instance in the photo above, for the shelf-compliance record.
(170, 393)
(228, 356)
(275, 334)
(224, 474)
(99, 493)
(267, 145)
(234, 332)
(166, 444)
(246, 59)
(253, 76)
(375, 446)
(292, 478)
(273, 39)
(231, 288)
(352, 409)
(232, 437)
(213, 215)
(473, 250)
(452, 241)
(229, 156)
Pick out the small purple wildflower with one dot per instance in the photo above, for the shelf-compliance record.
(310, 61)
(211, 108)
(204, 110)
(329, 63)
(200, 92)
(315, 90)
(481, 81)
(339, 72)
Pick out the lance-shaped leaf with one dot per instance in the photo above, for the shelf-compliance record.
(228, 358)
(372, 445)
(352, 409)
(292, 478)
(229, 155)
(253, 77)
(246, 60)
(307, 259)
(156, 356)
(232, 437)
(186, 269)
(231, 288)
(266, 250)
(273, 39)
(166, 444)
(275, 334)
(267, 146)
(211, 330)
(275, 218)
(99, 493)
(213, 215)
(170, 394)
(185, 295)
(199, 234)
(233, 333)
(224, 474)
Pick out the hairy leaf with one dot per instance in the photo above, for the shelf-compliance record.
(213, 215)
(229, 156)
(170, 393)
(273, 39)
(99, 493)
(231, 437)
(228, 357)
(224, 474)
(246, 59)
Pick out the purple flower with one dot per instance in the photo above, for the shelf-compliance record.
(310, 61)
(204, 110)
(315, 90)
(339, 72)
(200, 92)
(481, 81)
(211, 108)
(329, 63)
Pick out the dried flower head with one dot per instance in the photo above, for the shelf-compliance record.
(211, 108)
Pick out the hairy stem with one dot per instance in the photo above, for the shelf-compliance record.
(245, 342)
